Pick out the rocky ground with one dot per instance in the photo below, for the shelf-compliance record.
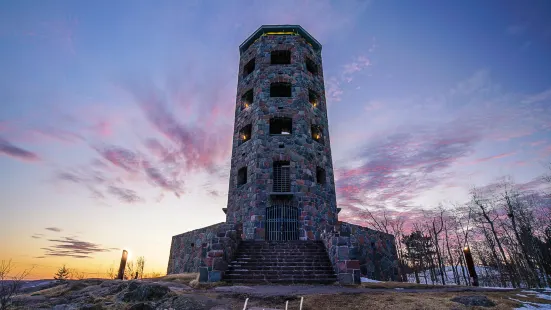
(178, 293)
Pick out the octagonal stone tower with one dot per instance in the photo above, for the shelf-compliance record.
(281, 184)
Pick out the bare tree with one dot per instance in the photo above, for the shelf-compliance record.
(436, 228)
(9, 286)
(484, 211)
(111, 273)
(140, 263)
(76, 274)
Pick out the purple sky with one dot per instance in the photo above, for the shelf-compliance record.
(116, 117)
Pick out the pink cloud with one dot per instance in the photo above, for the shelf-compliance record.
(485, 159)
(103, 129)
(8, 149)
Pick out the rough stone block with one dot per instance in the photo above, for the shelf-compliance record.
(353, 264)
(345, 278)
(342, 241)
(215, 276)
(203, 274)
(219, 264)
(343, 252)
(356, 276)
(216, 253)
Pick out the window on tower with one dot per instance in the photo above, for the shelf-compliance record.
(249, 68)
(282, 181)
(313, 98)
(247, 99)
(311, 66)
(280, 90)
(281, 126)
(317, 134)
(245, 134)
(280, 57)
(320, 175)
(242, 176)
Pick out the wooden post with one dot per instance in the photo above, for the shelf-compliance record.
(470, 266)
(123, 265)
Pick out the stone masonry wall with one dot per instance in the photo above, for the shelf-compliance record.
(207, 250)
(247, 203)
(359, 251)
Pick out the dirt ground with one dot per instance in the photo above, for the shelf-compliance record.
(184, 293)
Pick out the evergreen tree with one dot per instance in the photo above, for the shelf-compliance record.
(62, 273)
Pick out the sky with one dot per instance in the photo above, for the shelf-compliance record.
(116, 118)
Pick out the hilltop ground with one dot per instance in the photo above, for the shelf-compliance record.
(183, 292)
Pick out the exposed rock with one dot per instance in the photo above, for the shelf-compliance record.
(184, 302)
(145, 292)
(65, 307)
(91, 307)
(474, 300)
(142, 306)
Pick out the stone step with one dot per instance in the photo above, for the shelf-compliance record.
(327, 267)
(282, 246)
(278, 276)
(280, 259)
(305, 272)
(290, 280)
(282, 249)
(286, 250)
(255, 265)
(281, 262)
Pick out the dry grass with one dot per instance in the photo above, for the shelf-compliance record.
(402, 301)
(393, 285)
(184, 278)
(531, 298)
(53, 291)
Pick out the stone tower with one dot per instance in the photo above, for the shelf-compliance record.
(281, 183)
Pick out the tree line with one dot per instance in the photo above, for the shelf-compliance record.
(506, 228)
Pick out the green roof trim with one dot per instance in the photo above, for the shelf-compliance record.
(279, 28)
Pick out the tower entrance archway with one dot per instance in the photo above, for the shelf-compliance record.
(281, 221)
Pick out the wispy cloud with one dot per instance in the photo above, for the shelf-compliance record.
(515, 30)
(334, 84)
(72, 247)
(396, 165)
(397, 168)
(489, 158)
(54, 229)
(8, 149)
(124, 194)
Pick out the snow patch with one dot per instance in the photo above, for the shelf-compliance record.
(368, 280)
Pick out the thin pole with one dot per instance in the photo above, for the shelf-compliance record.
(122, 265)
(245, 306)
(301, 300)
(470, 265)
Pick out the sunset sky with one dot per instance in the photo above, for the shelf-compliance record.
(116, 117)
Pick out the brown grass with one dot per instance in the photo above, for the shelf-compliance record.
(394, 285)
(53, 291)
(402, 301)
(184, 278)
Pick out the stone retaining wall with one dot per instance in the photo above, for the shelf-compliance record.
(206, 250)
(358, 251)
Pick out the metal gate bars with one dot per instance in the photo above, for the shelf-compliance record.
(282, 221)
(282, 182)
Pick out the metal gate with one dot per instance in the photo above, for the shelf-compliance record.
(282, 221)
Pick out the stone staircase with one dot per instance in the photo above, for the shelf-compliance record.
(281, 262)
